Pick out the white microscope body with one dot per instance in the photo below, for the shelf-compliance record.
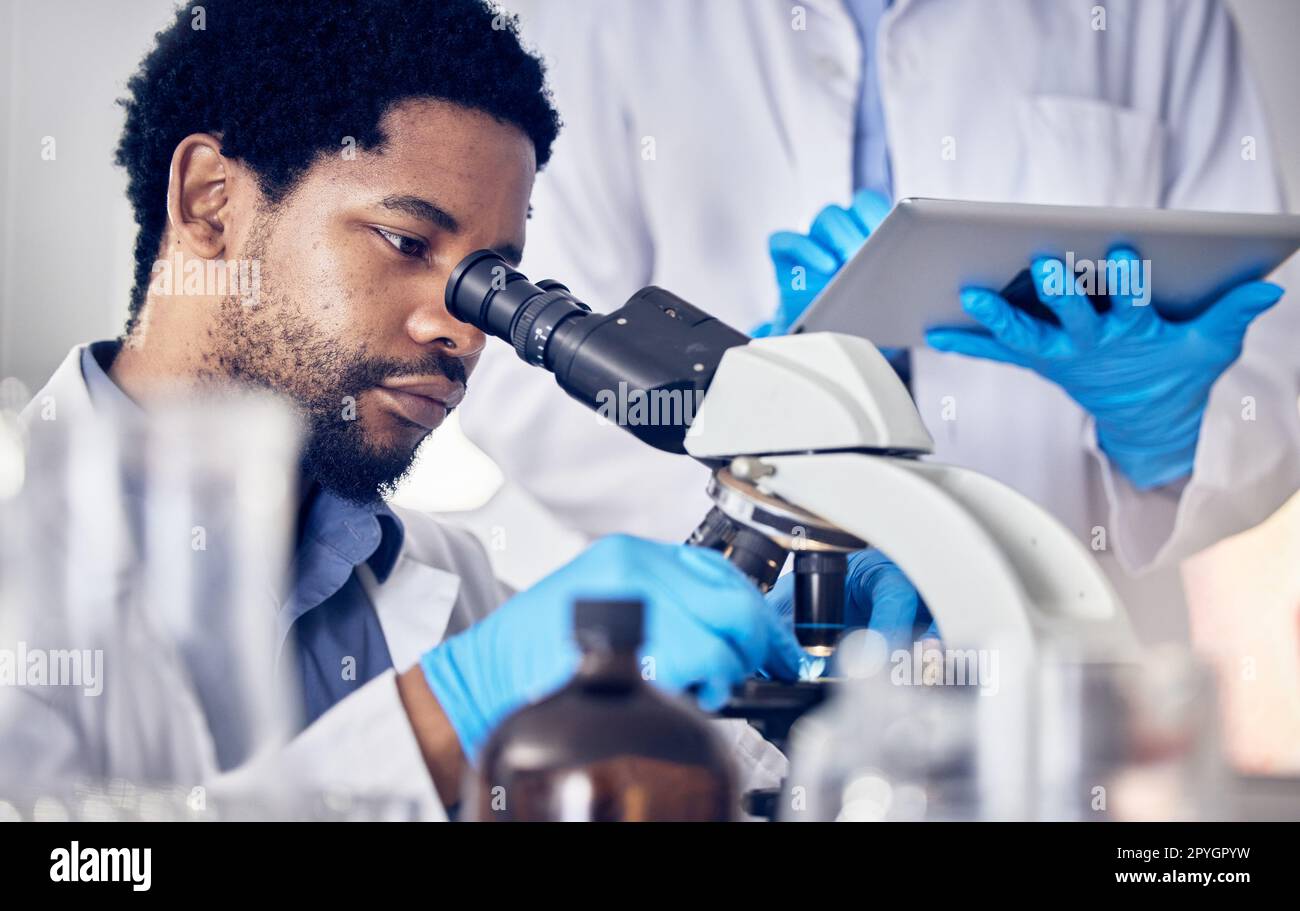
(822, 422)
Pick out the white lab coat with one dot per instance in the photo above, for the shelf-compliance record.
(142, 730)
(694, 130)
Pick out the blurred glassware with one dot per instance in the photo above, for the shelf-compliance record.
(1129, 742)
(1055, 738)
(219, 504)
(153, 549)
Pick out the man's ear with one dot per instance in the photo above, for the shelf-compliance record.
(196, 195)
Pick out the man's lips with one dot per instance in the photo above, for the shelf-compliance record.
(424, 403)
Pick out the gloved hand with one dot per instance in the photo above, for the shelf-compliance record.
(1144, 379)
(706, 626)
(836, 234)
(876, 595)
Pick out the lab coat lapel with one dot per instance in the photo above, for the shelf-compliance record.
(414, 605)
(817, 125)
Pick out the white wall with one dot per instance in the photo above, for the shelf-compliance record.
(67, 228)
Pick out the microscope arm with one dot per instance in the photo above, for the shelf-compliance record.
(994, 569)
(836, 434)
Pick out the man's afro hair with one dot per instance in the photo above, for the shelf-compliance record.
(282, 81)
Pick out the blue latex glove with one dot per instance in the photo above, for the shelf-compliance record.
(876, 595)
(1144, 379)
(706, 626)
(805, 264)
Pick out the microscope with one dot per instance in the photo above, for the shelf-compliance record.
(815, 449)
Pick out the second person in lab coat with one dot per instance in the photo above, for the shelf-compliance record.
(694, 131)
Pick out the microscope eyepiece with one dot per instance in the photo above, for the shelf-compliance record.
(485, 292)
(645, 366)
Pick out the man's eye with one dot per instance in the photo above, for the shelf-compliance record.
(407, 246)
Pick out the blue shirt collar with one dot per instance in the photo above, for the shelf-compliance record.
(359, 533)
(335, 537)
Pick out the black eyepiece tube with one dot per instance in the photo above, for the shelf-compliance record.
(645, 366)
(485, 292)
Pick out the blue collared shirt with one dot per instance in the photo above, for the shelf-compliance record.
(339, 642)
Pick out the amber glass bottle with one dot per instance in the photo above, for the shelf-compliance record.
(608, 746)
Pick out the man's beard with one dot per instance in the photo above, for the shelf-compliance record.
(272, 346)
(335, 452)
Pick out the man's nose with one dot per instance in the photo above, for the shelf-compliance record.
(431, 324)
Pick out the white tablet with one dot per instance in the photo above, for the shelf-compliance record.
(908, 275)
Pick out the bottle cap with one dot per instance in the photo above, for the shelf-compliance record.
(608, 622)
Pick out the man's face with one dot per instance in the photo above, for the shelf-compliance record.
(349, 320)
